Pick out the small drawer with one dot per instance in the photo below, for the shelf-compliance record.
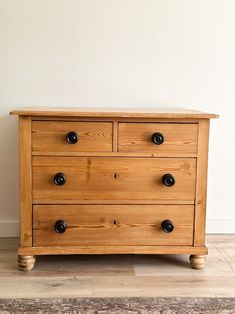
(166, 138)
(113, 178)
(60, 136)
(65, 225)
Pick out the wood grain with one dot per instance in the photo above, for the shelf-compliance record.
(109, 249)
(106, 178)
(112, 225)
(112, 112)
(50, 136)
(163, 154)
(197, 261)
(115, 202)
(26, 262)
(25, 181)
(116, 119)
(115, 136)
(201, 183)
(178, 138)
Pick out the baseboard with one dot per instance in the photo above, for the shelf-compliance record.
(11, 228)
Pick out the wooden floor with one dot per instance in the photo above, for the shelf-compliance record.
(120, 275)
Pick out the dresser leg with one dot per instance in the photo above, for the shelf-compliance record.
(197, 261)
(26, 262)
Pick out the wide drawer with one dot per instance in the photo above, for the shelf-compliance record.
(167, 138)
(112, 178)
(59, 136)
(112, 225)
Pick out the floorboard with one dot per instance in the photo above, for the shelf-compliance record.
(120, 275)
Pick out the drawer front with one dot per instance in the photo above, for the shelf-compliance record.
(112, 225)
(117, 178)
(57, 136)
(164, 138)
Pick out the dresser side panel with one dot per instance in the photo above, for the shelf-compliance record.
(201, 183)
(25, 181)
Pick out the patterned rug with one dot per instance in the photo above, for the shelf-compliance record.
(119, 305)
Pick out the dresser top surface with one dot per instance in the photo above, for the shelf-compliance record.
(113, 112)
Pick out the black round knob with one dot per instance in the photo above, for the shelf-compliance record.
(157, 138)
(60, 226)
(167, 226)
(168, 179)
(60, 179)
(72, 137)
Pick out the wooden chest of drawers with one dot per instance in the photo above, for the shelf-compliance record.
(112, 182)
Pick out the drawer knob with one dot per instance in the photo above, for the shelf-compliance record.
(60, 226)
(167, 226)
(157, 138)
(72, 137)
(60, 179)
(168, 179)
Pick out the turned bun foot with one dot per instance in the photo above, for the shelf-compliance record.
(197, 261)
(26, 262)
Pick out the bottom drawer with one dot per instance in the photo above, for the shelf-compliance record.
(112, 225)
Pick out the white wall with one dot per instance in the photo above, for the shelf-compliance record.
(119, 53)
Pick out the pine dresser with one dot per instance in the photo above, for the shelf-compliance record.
(112, 181)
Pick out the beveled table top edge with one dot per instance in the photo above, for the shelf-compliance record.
(113, 112)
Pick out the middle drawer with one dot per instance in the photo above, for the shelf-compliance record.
(113, 178)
